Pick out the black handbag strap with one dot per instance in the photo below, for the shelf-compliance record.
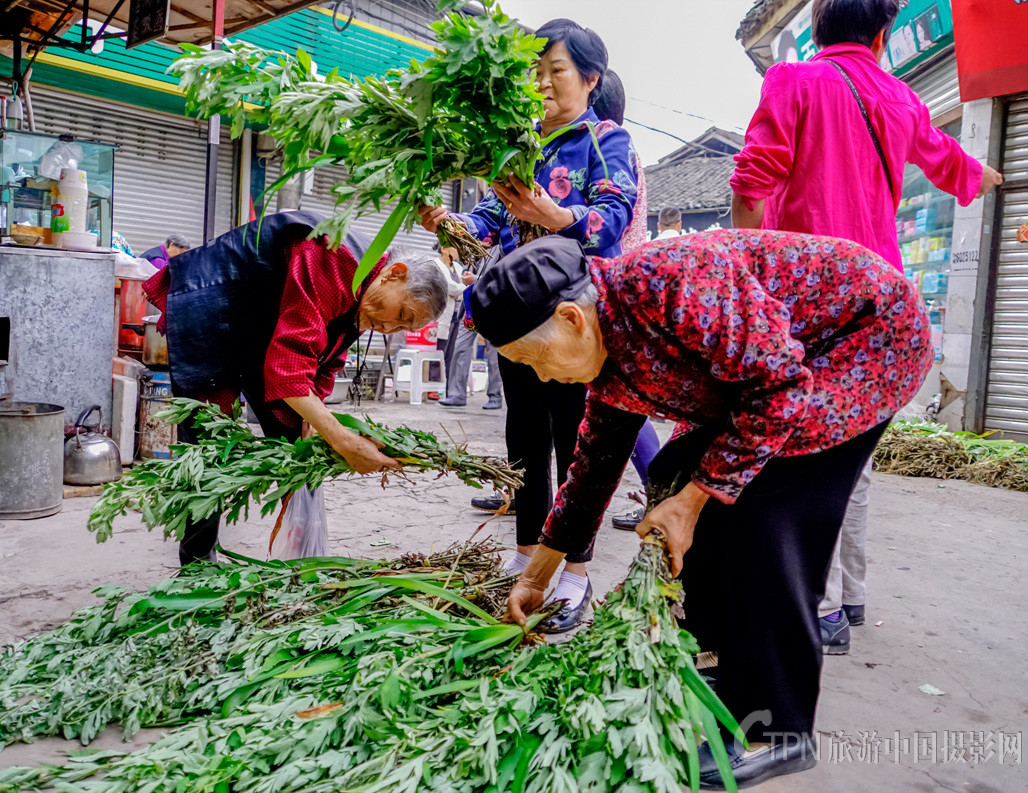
(870, 127)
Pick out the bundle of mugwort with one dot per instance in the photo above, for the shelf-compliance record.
(336, 674)
(230, 468)
(468, 110)
(925, 448)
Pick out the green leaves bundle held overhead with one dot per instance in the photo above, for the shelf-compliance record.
(339, 675)
(468, 110)
(231, 468)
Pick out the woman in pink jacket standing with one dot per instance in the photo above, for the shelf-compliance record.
(824, 154)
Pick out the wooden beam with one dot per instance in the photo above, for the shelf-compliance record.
(188, 14)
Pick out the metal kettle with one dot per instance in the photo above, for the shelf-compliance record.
(90, 458)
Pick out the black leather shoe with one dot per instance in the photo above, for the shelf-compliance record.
(492, 504)
(184, 557)
(835, 636)
(855, 614)
(629, 520)
(451, 403)
(567, 618)
(493, 404)
(752, 768)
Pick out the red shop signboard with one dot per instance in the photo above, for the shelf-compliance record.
(992, 47)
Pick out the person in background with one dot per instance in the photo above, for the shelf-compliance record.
(268, 312)
(610, 104)
(159, 255)
(585, 190)
(811, 163)
(463, 341)
(454, 290)
(669, 223)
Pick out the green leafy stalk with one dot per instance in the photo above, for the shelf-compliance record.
(468, 110)
(230, 469)
(331, 680)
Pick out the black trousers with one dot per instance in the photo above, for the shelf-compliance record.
(542, 420)
(201, 536)
(756, 572)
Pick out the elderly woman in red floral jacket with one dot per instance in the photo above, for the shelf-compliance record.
(781, 357)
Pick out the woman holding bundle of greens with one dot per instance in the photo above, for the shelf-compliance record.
(269, 312)
(580, 194)
(782, 357)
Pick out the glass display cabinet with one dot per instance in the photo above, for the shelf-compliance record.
(924, 224)
(30, 167)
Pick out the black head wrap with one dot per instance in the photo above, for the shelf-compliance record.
(519, 293)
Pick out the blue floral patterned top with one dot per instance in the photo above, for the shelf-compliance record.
(572, 173)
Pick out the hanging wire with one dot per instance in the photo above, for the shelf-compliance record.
(335, 14)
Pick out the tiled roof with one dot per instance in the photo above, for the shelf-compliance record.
(692, 183)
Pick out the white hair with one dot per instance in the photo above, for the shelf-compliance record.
(547, 332)
(425, 281)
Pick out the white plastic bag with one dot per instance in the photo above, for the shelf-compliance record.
(60, 155)
(304, 528)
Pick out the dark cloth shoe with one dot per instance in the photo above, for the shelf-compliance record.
(752, 768)
(492, 504)
(567, 618)
(493, 404)
(835, 636)
(855, 614)
(449, 402)
(629, 520)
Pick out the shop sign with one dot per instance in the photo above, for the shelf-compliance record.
(921, 27)
(992, 47)
(148, 21)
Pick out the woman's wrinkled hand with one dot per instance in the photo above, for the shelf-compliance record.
(530, 590)
(431, 217)
(676, 518)
(363, 455)
(467, 278)
(532, 205)
(526, 596)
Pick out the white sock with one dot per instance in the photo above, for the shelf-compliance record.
(517, 563)
(570, 587)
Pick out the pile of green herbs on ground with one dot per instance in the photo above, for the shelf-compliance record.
(468, 110)
(924, 448)
(230, 469)
(329, 675)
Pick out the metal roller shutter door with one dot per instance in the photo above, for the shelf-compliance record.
(1006, 401)
(937, 85)
(159, 168)
(319, 198)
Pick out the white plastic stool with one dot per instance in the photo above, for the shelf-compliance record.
(415, 380)
(479, 375)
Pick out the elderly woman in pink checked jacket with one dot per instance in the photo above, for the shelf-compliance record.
(781, 357)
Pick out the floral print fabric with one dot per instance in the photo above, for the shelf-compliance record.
(573, 174)
(787, 344)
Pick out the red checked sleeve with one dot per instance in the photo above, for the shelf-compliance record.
(606, 438)
(317, 289)
(768, 154)
(723, 314)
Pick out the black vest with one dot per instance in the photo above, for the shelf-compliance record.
(224, 298)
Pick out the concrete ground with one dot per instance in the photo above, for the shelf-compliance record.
(946, 582)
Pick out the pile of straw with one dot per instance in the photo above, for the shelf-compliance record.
(922, 448)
